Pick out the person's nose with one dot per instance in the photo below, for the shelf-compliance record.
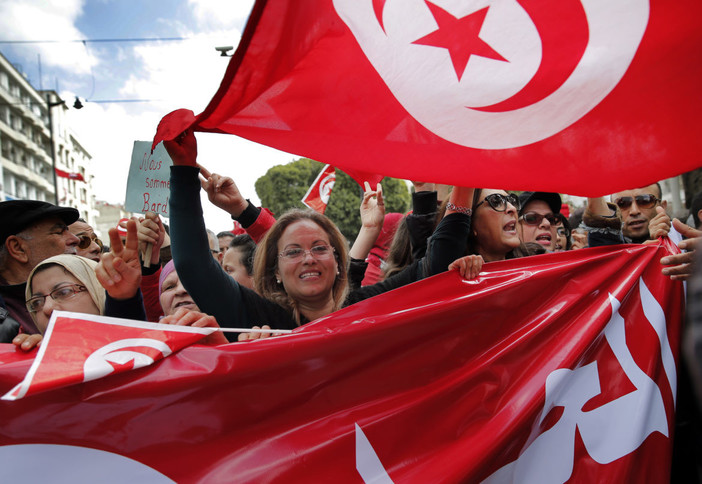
(511, 208)
(545, 224)
(49, 306)
(634, 209)
(71, 240)
(180, 290)
(308, 258)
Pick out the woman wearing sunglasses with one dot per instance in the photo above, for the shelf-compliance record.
(493, 233)
(537, 218)
(89, 245)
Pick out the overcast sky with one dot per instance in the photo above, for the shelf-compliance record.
(181, 74)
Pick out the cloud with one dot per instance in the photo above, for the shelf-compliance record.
(214, 14)
(47, 20)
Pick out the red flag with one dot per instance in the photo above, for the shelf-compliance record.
(80, 347)
(317, 197)
(605, 95)
(69, 175)
(548, 368)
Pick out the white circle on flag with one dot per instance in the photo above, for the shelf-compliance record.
(99, 363)
(423, 79)
(70, 464)
(325, 187)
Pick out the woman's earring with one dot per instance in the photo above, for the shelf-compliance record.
(278, 281)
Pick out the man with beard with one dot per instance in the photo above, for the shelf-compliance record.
(637, 208)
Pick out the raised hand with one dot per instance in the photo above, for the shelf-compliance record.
(196, 319)
(372, 207)
(150, 230)
(119, 270)
(183, 149)
(679, 266)
(659, 226)
(223, 192)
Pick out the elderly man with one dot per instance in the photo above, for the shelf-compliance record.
(30, 231)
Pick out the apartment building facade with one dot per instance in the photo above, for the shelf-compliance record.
(26, 136)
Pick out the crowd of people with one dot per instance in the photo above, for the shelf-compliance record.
(278, 274)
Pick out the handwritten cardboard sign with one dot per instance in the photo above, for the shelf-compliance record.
(149, 185)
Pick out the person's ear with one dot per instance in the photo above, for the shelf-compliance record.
(17, 248)
(664, 204)
(699, 217)
(277, 276)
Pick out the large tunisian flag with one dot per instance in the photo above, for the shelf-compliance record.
(600, 95)
(543, 369)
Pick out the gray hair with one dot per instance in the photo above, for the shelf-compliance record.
(213, 240)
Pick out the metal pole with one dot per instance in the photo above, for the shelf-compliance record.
(50, 105)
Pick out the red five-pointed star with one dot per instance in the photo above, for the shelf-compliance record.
(460, 36)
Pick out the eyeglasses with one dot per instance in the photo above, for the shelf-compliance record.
(533, 218)
(642, 201)
(84, 241)
(60, 294)
(498, 202)
(562, 232)
(319, 252)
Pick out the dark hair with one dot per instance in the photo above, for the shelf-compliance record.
(695, 207)
(561, 219)
(526, 249)
(266, 260)
(225, 233)
(400, 251)
(247, 246)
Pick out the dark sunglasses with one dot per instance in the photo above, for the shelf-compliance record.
(498, 202)
(642, 201)
(533, 218)
(84, 242)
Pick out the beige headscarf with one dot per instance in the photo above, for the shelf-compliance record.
(82, 269)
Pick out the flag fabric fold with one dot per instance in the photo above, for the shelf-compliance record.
(603, 94)
(550, 368)
(80, 347)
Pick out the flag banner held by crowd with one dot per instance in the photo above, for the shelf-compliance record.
(69, 175)
(317, 197)
(552, 368)
(604, 94)
(149, 181)
(80, 347)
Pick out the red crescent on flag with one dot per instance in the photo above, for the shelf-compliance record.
(378, 7)
(555, 22)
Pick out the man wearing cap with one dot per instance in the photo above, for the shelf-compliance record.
(31, 231)
(537, 222)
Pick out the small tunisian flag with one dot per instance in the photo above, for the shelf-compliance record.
(604, 93)
(317, 197)
(80, 347)
(69, 175)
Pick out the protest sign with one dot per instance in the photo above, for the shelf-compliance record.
(148, 185)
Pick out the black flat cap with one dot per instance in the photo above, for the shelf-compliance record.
(17, 215)
(553, 200)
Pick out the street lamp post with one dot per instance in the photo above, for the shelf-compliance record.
(50, 105)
